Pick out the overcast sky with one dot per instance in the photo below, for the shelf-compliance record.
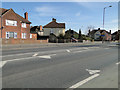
(75, 15)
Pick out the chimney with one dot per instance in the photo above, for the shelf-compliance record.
(26, 15)
(110, 31)
(53, 19)
(40, 27)
(98, 28)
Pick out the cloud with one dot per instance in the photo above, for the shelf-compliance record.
(78, 14)
(47, 11)
(114, 21)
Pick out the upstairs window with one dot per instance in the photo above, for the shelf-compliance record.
(11, 23)
(24, 25)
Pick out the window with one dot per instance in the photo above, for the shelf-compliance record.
(30, 35)
(11, 23)
(7, 35)
(24, 35)
(11, 35)
(15, 35)
(51, 31)
(24, 25)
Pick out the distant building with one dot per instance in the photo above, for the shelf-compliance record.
(13, 25)
(54, 28)
(98, 34)
(115, 35)
(37, 33)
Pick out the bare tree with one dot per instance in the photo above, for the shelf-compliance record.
(90, 27)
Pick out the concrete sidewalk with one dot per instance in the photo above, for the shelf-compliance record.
(28, 46)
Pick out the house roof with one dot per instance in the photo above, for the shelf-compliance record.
(95, 30)
(34, 29)
(54, 24)
(3, 11)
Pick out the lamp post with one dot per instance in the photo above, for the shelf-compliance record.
(1, 26)
(104, 15)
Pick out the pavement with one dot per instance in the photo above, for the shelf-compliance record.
(74, 66)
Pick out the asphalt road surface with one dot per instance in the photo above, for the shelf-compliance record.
(87, 66)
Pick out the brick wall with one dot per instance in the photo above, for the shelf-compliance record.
(22, 41)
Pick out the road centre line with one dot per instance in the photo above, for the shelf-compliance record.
(44, 52)
(35, 54)
(43, 56)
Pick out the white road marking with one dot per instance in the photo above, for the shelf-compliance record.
(47, 57)
(81, 51)
(84, 81)
(118, 63)
(106, 48)
(2, 63)
(91, 72)
(44, 56)
(112, 45)
(35, 54)
(94, 74)
(68, 50)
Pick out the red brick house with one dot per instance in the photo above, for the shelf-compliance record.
(99, 35)
(14, 25)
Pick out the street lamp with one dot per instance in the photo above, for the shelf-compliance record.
(1, 26)
(104, 14)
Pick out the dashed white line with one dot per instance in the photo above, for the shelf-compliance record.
(44, 56)
(68, 50)
(117, 63)
(35, 54)
(106, 48)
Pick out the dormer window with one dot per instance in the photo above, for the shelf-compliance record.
(11, 23)
(24, 25)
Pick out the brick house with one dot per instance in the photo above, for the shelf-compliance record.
(115, 35)
(98, 34)
(35, 31)
(54, 28)
(13, 25)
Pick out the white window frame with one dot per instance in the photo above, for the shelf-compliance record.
(11, 23)
(7, 35)
(24, 35)
(24, 25)
(30, 35)
(15, 35)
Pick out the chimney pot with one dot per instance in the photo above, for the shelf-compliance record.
(40, 27)
(110, 31)
(53, 19)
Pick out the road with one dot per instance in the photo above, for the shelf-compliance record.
(87, 66)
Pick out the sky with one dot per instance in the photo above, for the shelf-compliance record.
(75, 15)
